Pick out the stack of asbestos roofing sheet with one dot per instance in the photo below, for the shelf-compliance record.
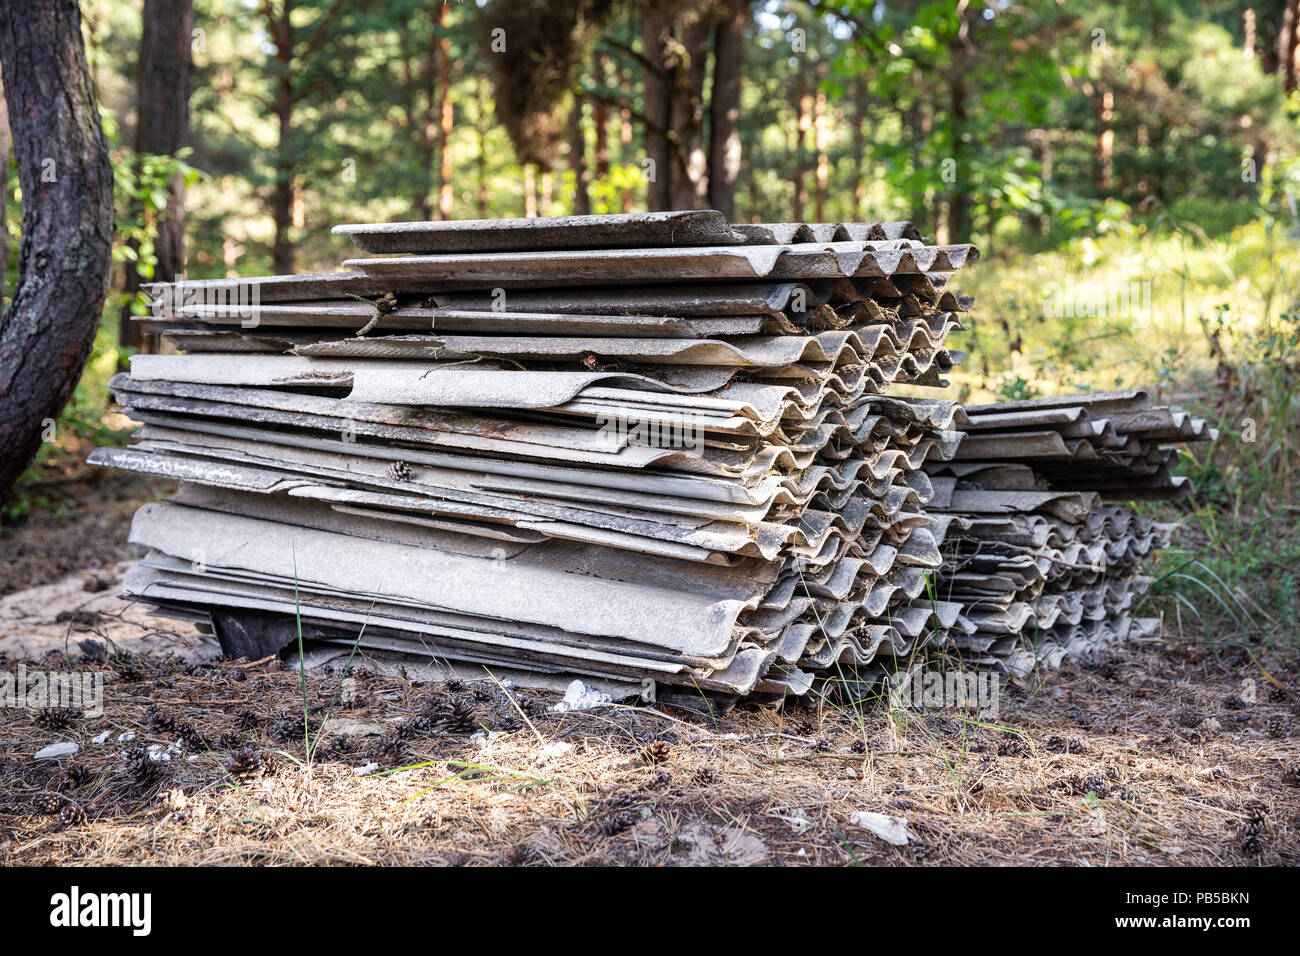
(628, 448)
(1043, 568)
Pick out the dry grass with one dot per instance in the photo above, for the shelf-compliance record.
(1145, 759)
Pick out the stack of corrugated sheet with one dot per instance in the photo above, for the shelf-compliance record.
(1038, 546)
(622, 447)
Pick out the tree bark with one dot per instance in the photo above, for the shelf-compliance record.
(6, 151)
(445, 115)
(282, 193)
(161, 129)
(859, 139)
(959, 198)
(724, 108)
(690, 169)
(802, 129)
(600, 120)
(63, 259)
(1104, 151)
(578, 161)
(654, 30)
(480, 164)
(1286, 44)
(821, 140)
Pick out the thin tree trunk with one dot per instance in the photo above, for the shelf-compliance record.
(282, 192)
(654, 31)
(1040, 148)
(530, 190)
(6, 150)
(481, 163)
(546, 192)
(959, 197)
(445, 116)
(858, 138)
(600, 120)
(1103, 153)
(625, 134)
(578, 161)
(1286, 44)
(820, 141)
(803, 108)
(724, 108)
(63, 260)
(690, 169)
(161, 129)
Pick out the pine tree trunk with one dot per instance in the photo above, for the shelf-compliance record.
(724, 109)
(162, 128)
(481, 126)
(282, 192)
(654, 29)
(600, 120)
(821, 139)
(859, 139)
(578, 161)
(63, 260)
(1286, 44)
(445, 116)
(803, 126)
(959, 198)
(690, 166)
(6, 150)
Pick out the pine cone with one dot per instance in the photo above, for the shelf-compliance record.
(244, 764)
(189, 738)
(55, 718)
(127, 669)
(616, 823)
(71, 815)
(399, 471)
(1291, 775)
(452, 716)
(1250, 836)
(247, 719)
(391, 751)
(46, 803)
(140, 769)
(286, 727)
(414, 727)
(229, 741)
(158, 721)
(657, 752)
(75, 776)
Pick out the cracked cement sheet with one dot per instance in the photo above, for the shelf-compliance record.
(703, 496)
(466, 384)
(354, 316)
(860, 344)
(752, 467)
(168, 297)
(198, 414)
(804, 261)
(681, 613)
(746, 410)
(785, 233)
(380, 382)
(703, 299)
(700, 501)
(571, 512)
(702, 227)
